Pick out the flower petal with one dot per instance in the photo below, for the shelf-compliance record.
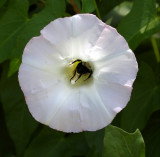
(74, 36)
(39, 53)
(121, 69)
(110, 42)
(46, 96)
(45, 105)
(95, 115)
(114, 96)
(68, 118)
(34, 80)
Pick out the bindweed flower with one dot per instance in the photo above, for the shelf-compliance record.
(78, 74)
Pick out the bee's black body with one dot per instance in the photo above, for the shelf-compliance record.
(82, 68)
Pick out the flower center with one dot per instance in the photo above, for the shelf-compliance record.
(82, 68)
(79, 73)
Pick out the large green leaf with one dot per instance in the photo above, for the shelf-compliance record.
(93, 153)
(11, 24)
(95, 140)
(144, 100)
(50, 143)
(118, 143)
(19, 122)
(16, 28)
(140, 23)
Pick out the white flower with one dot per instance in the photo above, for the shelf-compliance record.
(49, 77)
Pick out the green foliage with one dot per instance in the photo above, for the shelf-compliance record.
(2, 2)
(21, 135)
(14, 65)
(151, 135)
(20, 28)
(11, 25)
(95, 140)
(106, 6)
(118, 12)
(140, 23)
(118, 143)
(53, 143)
(144, 100)
(88, 6)
(6, 145)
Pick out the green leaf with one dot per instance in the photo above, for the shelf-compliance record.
(14, 66)
(17, 29)
(11, 24)
(19, 122)
(95, 140)
(118, 13)
(106, 6)
(53, 9)
(144, 100)
(88, 6)
(50, 143)
(93, 153)
(152, 136)
(140, 23)
(118, 143)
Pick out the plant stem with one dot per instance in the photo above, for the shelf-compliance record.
(97, 10)
(75, 7)
(155, 48)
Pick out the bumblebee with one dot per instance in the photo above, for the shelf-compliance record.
(81, 69)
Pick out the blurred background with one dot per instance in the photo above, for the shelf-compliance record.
(20, 135)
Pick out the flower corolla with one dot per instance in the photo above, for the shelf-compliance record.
(78, 74)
